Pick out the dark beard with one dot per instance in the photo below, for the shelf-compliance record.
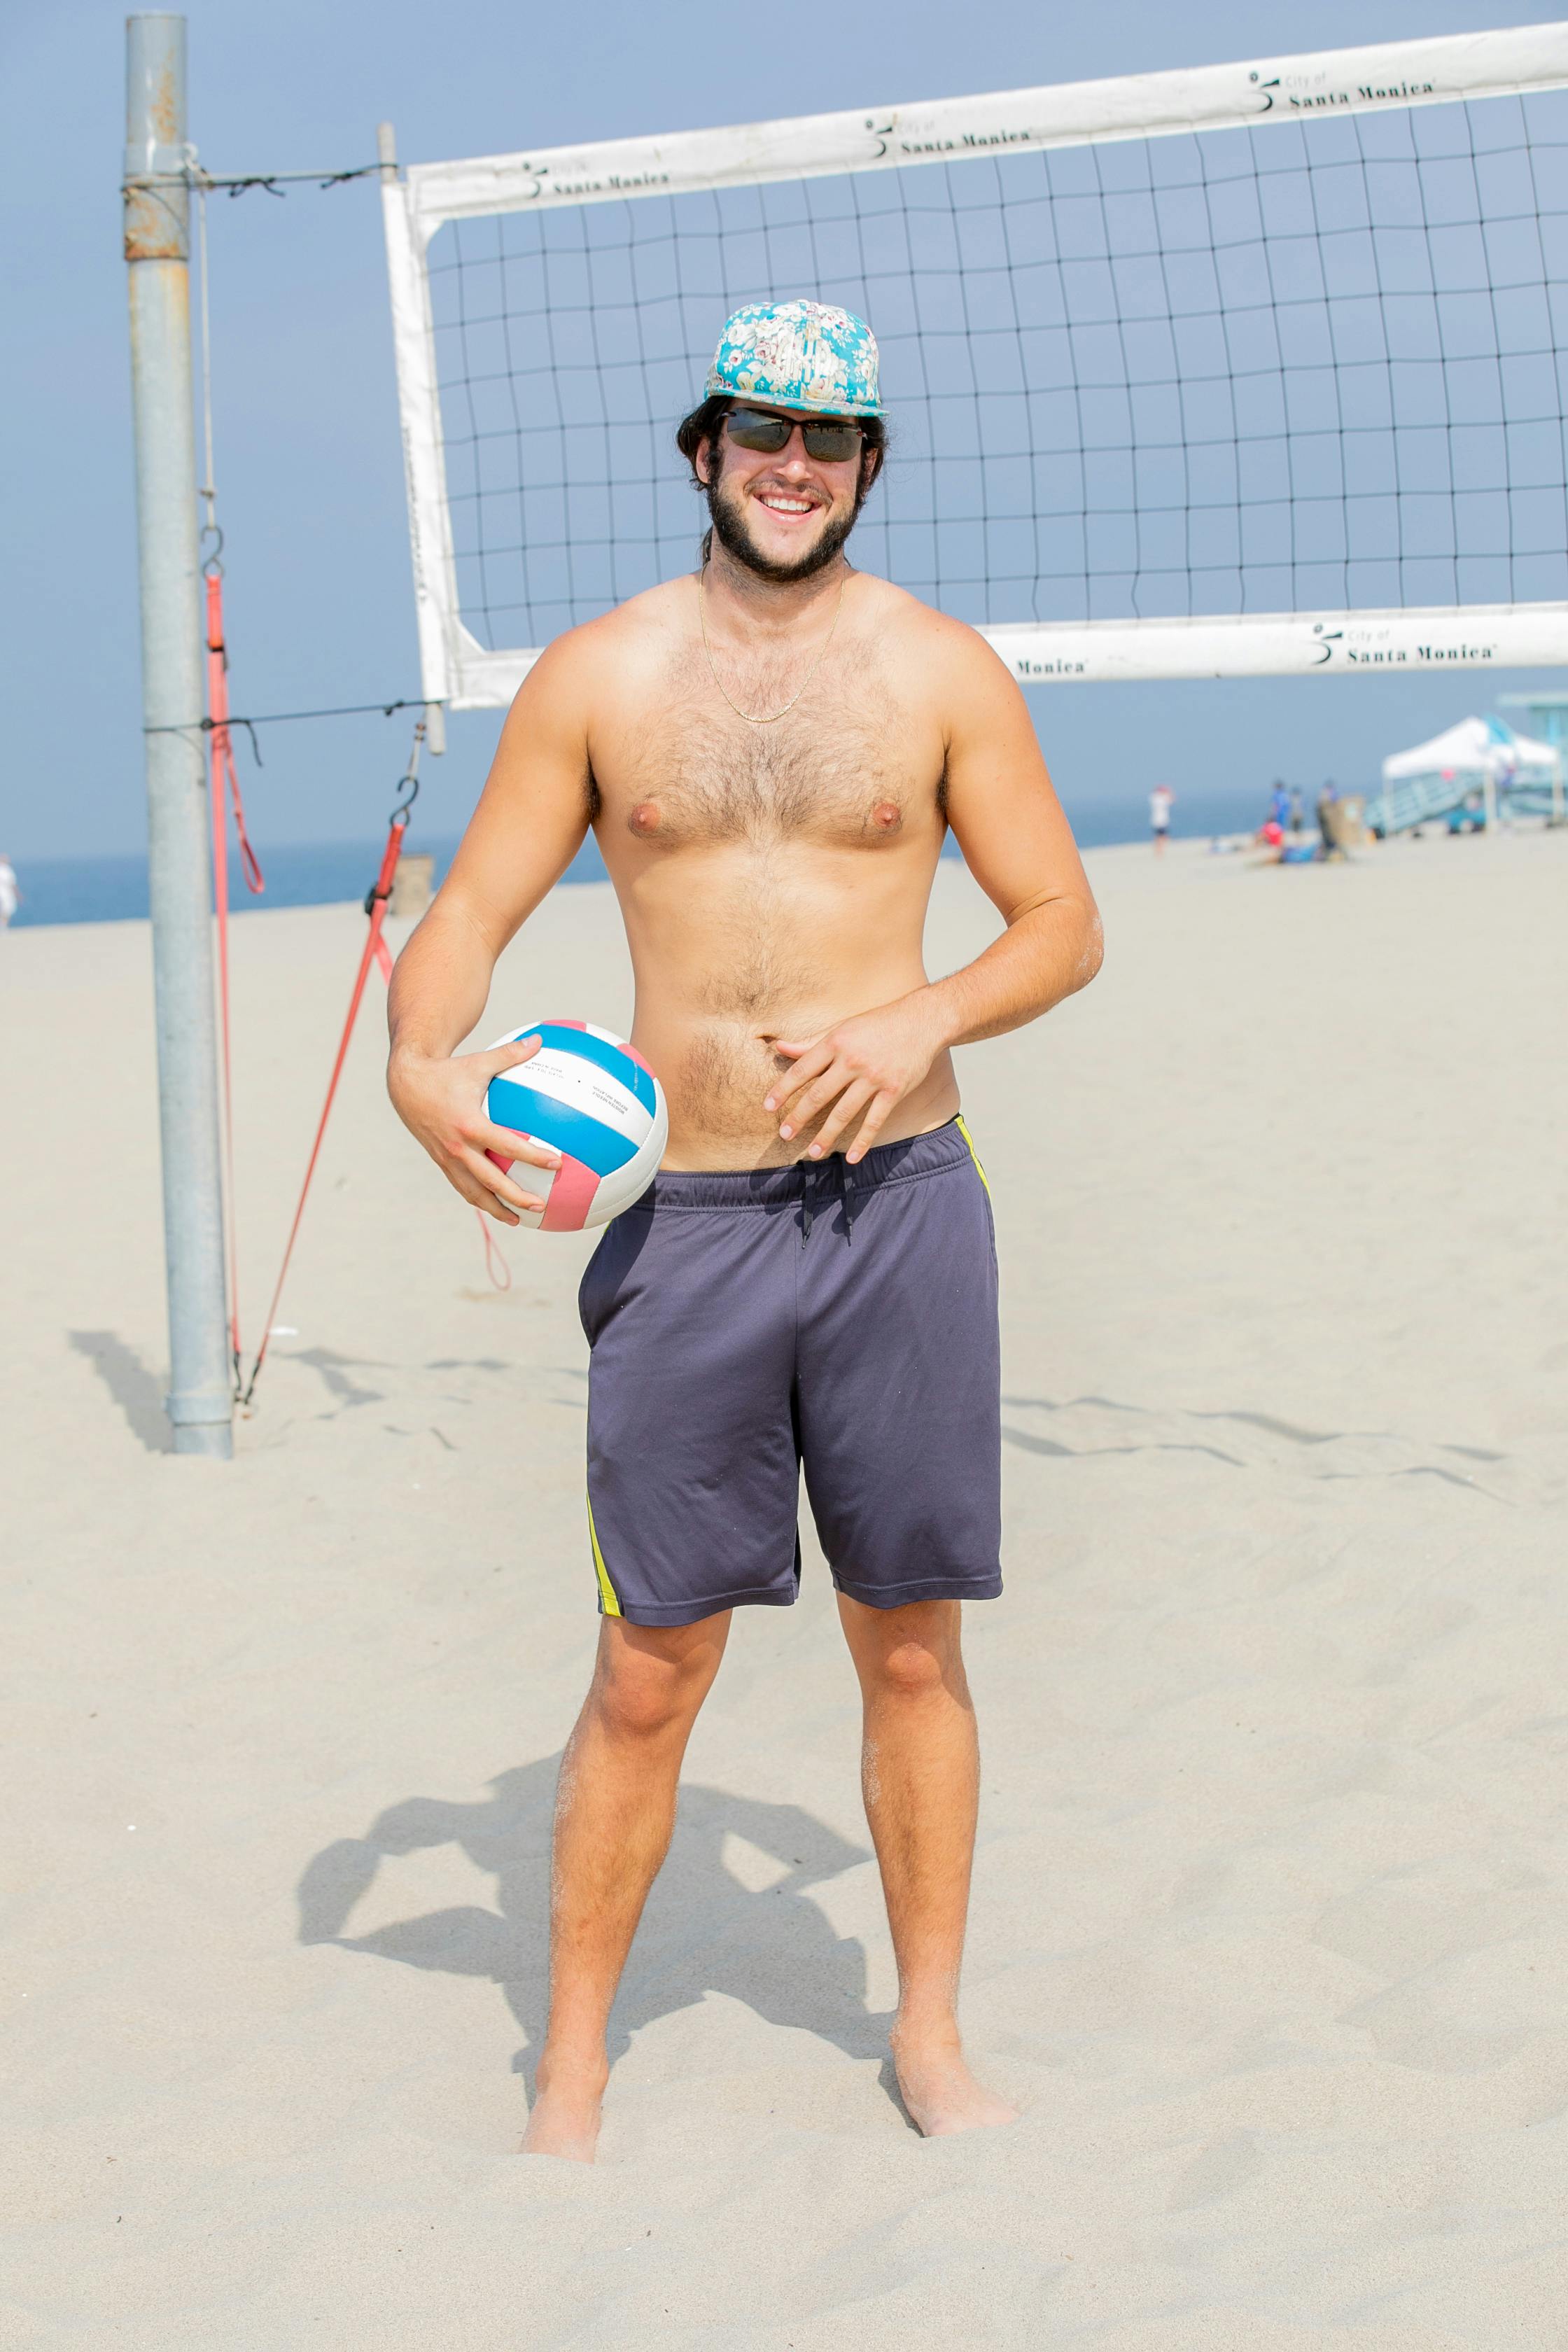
(732, 535)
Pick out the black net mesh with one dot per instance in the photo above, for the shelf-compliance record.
(1315, 367)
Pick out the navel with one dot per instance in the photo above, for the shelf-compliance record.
(645, 817)
(887, 816)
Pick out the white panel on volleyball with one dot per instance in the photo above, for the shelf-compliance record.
(1288, 94)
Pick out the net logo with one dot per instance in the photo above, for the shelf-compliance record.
(1307, 101)
(619, 184)
(1362, 650)
(967, 143)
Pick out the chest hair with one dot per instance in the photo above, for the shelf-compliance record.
(840, 768)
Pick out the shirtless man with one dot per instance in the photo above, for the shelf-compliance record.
(769, 755)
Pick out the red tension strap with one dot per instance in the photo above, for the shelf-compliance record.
(223, 741)
(222, 765)
(375, 950)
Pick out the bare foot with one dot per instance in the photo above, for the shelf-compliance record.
(939, 2090)
(564, 2118)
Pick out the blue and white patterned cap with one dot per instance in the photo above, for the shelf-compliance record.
(801, 355)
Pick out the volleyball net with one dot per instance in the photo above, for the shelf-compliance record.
(1244, 370)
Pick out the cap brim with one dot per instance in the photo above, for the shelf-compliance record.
(712, 389)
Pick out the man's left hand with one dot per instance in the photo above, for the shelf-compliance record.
(859, 1070)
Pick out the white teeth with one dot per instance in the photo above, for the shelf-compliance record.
(788, 506)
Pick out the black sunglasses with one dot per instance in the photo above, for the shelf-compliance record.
(831, 440)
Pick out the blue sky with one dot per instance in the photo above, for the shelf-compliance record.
(307, 458)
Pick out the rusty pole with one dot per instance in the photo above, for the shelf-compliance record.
(179, 856)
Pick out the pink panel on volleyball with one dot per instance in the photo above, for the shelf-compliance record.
(571, 1197)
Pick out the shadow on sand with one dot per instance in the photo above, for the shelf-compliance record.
(702, 1931)
(136, 1390)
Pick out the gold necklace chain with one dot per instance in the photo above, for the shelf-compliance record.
(771, 718)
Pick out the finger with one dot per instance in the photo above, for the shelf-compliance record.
(476, 1195)
(810, 1106)
(497, 1182)
(506, 1057)
(788, 1092)
(813, 1059)
(849, 1105)
(488, 1206)
(505, 1144)
(871, 1126)
(500, 1185)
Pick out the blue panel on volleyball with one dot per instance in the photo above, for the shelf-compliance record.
(522, 1108)
(600, 1051)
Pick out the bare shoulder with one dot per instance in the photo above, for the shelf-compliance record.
(632, 637)
(941, 662)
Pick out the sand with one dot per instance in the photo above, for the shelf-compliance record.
(1270, 1928)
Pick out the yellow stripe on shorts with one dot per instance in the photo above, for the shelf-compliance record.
(606, 1589)
(972, 1153)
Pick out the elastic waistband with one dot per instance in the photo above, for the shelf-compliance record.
(811, 1181)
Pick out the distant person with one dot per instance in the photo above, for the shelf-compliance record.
(1280, 806)
(10, 896)
(1297, 813)
(1161, 801)
(1326, 813)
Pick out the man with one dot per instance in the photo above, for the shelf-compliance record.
(1161, 801)
(769, 754)
(10, 896)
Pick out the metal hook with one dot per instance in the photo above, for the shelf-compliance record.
(408, 787)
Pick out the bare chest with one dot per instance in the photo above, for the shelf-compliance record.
(846, 767)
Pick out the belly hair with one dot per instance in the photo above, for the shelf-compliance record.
(723, 1080)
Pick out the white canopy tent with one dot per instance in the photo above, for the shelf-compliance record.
(1477, 748)
(1478, 754)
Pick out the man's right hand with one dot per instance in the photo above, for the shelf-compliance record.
(440, 1099)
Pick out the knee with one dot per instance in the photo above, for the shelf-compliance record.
(646, 1698)
(911, 1668)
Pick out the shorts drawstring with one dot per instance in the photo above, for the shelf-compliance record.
(824, 1178)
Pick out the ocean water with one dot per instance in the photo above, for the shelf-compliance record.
(325, 873)
(299, 874)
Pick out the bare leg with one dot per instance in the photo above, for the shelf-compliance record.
(614, 1811)
(920, 1775)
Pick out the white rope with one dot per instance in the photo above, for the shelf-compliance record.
(207, 490)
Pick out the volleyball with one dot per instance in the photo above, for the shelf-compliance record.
(594, 1097)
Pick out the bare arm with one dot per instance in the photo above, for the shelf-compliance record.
(1019, 848)
(529, 825)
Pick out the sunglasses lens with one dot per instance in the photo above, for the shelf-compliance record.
(830, 444)
(750, 430)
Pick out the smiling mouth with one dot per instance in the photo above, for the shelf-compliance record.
(780, 502)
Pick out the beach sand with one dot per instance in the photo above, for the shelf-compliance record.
(1271, 1921)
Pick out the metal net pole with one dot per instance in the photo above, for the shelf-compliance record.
(157, 250)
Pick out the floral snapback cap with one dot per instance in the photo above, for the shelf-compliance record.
(800, 355)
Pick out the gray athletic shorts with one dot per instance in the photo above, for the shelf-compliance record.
(742, 1325)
